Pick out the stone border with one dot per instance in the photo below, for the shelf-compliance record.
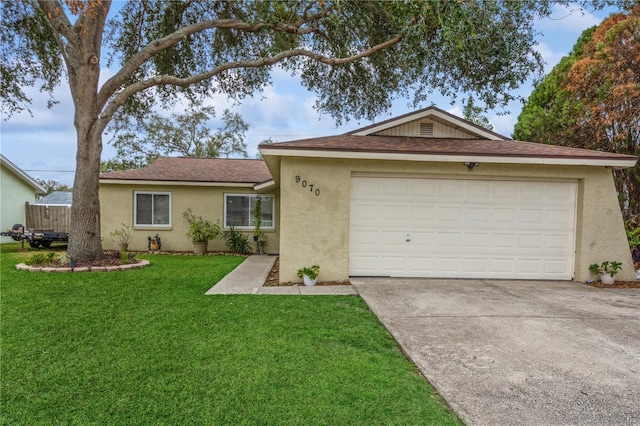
(141, 264)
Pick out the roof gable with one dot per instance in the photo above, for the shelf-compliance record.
(22, 175)
(430, 122)
(195, 170)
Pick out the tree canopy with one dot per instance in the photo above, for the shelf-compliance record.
(186, 134)
(591, 99)
(356, 56)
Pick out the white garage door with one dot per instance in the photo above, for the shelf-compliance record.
(454, 228)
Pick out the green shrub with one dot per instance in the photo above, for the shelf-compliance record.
(236, 241)
(40, 259)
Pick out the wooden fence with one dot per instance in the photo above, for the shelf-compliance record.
(55, 218)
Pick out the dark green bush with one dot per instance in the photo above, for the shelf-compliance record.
(236, 241)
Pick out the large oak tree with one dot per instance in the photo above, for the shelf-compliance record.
(357, 56)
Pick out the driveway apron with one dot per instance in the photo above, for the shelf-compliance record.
(514, 352)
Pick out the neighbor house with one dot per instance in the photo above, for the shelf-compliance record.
(56, 198)
(16, 189)
(426, 194)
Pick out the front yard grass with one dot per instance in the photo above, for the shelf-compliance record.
(148, 347)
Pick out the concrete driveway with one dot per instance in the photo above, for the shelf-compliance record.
(514, 352)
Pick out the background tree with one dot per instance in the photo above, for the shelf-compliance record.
(51, 185)
(357, 56)
(187, 134)
(474, 114)
(592, 100)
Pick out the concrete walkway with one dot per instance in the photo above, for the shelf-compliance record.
(251, 274)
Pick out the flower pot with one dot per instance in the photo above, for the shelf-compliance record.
(200, 247)
(607, 279)
(308, 281)
(123, 246)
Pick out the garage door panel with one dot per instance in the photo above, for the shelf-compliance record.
(479, 266)
(421, 241)
(448, 214)
(477, 240)
(480, 216)
(503, 217)
(421, 264)
(422, 214)
(362, 211)
(530, 241)
(395, 188)
(557, 218)
(365, 238)
(423, 189)
(395, 213)
(462, 228)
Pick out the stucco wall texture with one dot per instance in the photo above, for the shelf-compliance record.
(314, 225)
(116, 201)
(15, 193)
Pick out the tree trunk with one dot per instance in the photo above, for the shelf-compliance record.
(83, 66)
(84, 238)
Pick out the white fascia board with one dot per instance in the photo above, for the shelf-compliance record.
(264, 185)
(446, 118)
(173, 183)
(451, 158)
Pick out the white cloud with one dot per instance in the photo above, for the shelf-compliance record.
(550, 57)
(568, 18)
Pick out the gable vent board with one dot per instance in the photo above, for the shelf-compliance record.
(426, 129)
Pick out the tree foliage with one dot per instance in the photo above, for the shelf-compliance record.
(51, 185)
(474, 114)
(591, 99)
(185, 134)
(357, 56)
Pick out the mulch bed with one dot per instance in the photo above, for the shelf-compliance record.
(273, 280)
(617, 284)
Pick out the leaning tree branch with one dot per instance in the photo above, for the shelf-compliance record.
(160, 80)
(54, 12)
(112, 85)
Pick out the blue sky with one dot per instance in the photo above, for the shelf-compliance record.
(44, 145)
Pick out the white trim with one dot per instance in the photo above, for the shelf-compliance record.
(22, 175)
(174, 183)
(453, 120)
(135, 210)
(273, 210)
(563, 161)
(264, 185)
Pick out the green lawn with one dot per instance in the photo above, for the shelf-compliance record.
(148, 347)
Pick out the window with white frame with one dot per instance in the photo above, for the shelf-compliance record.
(152, 208)
(239, 208)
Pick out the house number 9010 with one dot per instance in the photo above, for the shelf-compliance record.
(312, 188)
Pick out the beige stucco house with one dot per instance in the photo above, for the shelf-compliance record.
(151, 200)
(426, 194)
(16, 189)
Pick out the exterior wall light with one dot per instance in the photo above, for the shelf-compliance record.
(471, 166)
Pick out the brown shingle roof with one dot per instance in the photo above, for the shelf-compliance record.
(189, 169)
(461, 147)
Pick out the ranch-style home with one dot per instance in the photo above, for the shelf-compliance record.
(426, 194)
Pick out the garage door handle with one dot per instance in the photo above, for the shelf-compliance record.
(408, 239)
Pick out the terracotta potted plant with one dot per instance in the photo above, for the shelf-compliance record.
(200, 231)
(122, 237)
(309, 275)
